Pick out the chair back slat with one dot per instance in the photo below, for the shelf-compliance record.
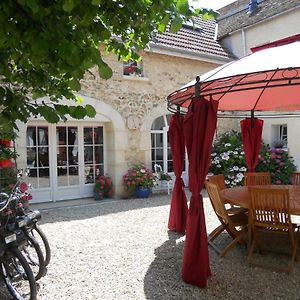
(270, 207)
(216, 201)
(257, 178)
(296, 178)
(218, 180)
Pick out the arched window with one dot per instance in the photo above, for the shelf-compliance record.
(160, 146)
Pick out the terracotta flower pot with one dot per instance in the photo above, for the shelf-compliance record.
(6, 163)
(5, 142)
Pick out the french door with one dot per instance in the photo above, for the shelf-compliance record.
(64, 160)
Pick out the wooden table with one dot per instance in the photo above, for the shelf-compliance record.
(240, 196)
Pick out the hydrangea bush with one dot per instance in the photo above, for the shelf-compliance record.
(228, 158)
(278, 162)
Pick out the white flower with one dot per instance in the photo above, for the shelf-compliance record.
(235, 152)
(243, 169)
(240, 176)
(225, 156)
(227, 145)
(235, 168)
(142, 170)
(218, 166)
(213, 154)
(242, 152)
(227, 181)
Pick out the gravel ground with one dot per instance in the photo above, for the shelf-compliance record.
(121, 249)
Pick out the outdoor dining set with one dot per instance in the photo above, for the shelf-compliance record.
(248, 213)
(265, 83)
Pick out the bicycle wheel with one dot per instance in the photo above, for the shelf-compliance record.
(18, 276)
(34, 256)
(41, 238)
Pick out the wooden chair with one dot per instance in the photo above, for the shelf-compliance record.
(257, 178)
(235, 224)
(296, 178)
(270, 212)
(219, 181)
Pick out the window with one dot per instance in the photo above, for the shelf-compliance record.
(37, 146)
(93, 153)
(133, 68)
(160, 145)
(67, 155)
(281, 136)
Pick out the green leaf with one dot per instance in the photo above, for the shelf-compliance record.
(90, 111)
(96, 2)
(39, 46)
(48, 113)
(176, 24)
(105, 71)
(163, 24)
(68, 5)
(61, 109)
(182, 6)
(77, 112)
(79, 99)
(33, 5)
(74, 84)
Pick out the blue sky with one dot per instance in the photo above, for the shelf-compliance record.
(213, 4)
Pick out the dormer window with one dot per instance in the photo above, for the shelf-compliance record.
(133, 68)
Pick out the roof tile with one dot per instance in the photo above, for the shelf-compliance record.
(235, 16)
(199, 40)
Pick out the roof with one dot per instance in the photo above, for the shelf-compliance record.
(197, 41)
(235, 16)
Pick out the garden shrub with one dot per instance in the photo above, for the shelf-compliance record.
(228, 158)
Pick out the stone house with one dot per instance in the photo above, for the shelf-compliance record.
(244, 25)
(131, 122)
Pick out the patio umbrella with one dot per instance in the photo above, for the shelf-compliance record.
(199, 128)
(179, 208)
(267, 80)
(251, 129)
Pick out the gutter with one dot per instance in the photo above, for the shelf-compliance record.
(211, 58)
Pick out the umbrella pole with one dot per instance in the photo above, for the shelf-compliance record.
(252, 118)
(197, 87)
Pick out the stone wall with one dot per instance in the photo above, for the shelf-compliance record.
(136, 97)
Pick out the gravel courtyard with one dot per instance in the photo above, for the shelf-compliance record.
(121, 249)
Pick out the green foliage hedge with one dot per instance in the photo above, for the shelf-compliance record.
(228, 159)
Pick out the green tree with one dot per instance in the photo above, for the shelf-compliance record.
(47, 46)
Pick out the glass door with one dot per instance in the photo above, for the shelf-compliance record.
(67, 163)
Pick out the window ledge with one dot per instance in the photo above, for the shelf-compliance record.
(135, 78)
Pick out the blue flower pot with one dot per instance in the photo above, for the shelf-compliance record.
(142, 192)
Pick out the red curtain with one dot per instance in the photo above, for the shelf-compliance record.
(199, 128)
(179, 208)
(251, 136)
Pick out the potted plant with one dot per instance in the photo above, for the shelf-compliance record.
(103, 187)
(139, 180)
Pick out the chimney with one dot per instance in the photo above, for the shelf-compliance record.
(252, 7)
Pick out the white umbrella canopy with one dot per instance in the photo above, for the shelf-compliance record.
(267, 80)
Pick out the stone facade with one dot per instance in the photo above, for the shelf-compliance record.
(138, 96)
